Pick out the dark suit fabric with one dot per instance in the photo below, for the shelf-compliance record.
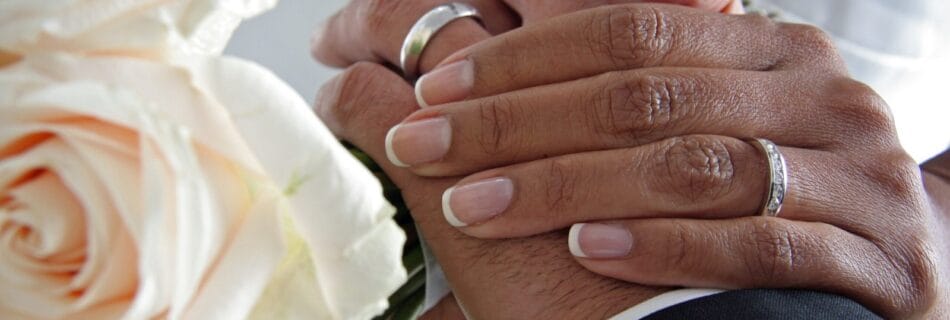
(767, 304)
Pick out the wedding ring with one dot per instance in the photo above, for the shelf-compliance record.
(778, 177)
(427, 26)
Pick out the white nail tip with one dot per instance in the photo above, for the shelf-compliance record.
(419, 99)
(447, 210)
(389, 148)
(573, 242)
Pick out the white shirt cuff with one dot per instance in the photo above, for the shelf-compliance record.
(436, 285)
(437, 288)
(663, 301)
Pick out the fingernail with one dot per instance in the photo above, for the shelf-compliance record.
(418, 142)
(452, 82)
(476, 202)
(599, 241)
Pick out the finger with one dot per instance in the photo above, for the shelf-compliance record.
(622, 109)
(360, 105)
(532, 11)
(699, 176)
(703, 177)
(625, 37)
(692, 176)
(374, 30)
(753, 252)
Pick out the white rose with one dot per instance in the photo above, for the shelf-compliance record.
(205, 190)
(145, 28)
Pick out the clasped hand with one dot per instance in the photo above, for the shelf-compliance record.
(631, 124)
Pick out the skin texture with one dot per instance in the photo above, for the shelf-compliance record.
(530, 278)
(373, 30)
(659, 140)
(668, 111)
(936, 174)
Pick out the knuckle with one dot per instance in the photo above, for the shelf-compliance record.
(634, 109)
(359, 76)
(560, 184)
(773, 251)
(872, 110)
(897, 175)
(696, 169)
(859, 107)
(678, 246)
(320, 46)
(809, 41)
(327, 101)
(634, 36)
(767, 27)
(375, 15)
(349, 92)
(911, 274)
(495, 123)
(920, 291)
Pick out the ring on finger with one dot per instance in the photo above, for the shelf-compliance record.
(778, 177)
(423, 30)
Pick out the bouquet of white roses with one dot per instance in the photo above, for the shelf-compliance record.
(142, 175)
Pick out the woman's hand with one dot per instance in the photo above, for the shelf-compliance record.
(641, 112)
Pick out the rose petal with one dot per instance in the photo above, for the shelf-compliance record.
(54, 215)
(112, 90)
(239, 277)
(108, 271)
(150, 28)
(352, 214)
(206, 132)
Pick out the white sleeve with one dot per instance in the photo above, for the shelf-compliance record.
(436, 285)
(437, 288)
(663, 301)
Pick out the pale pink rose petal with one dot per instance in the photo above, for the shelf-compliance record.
(166, 93)
(169, 205)
(109, 268)
(185, 222)
(55, 219)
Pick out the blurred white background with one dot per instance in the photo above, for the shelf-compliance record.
(280, 40)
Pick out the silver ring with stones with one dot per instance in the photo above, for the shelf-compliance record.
(778, 177)
(427, 26)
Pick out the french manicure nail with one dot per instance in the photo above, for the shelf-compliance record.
(476, 202)
(452, 82)
(418, 142)
(599, 241)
